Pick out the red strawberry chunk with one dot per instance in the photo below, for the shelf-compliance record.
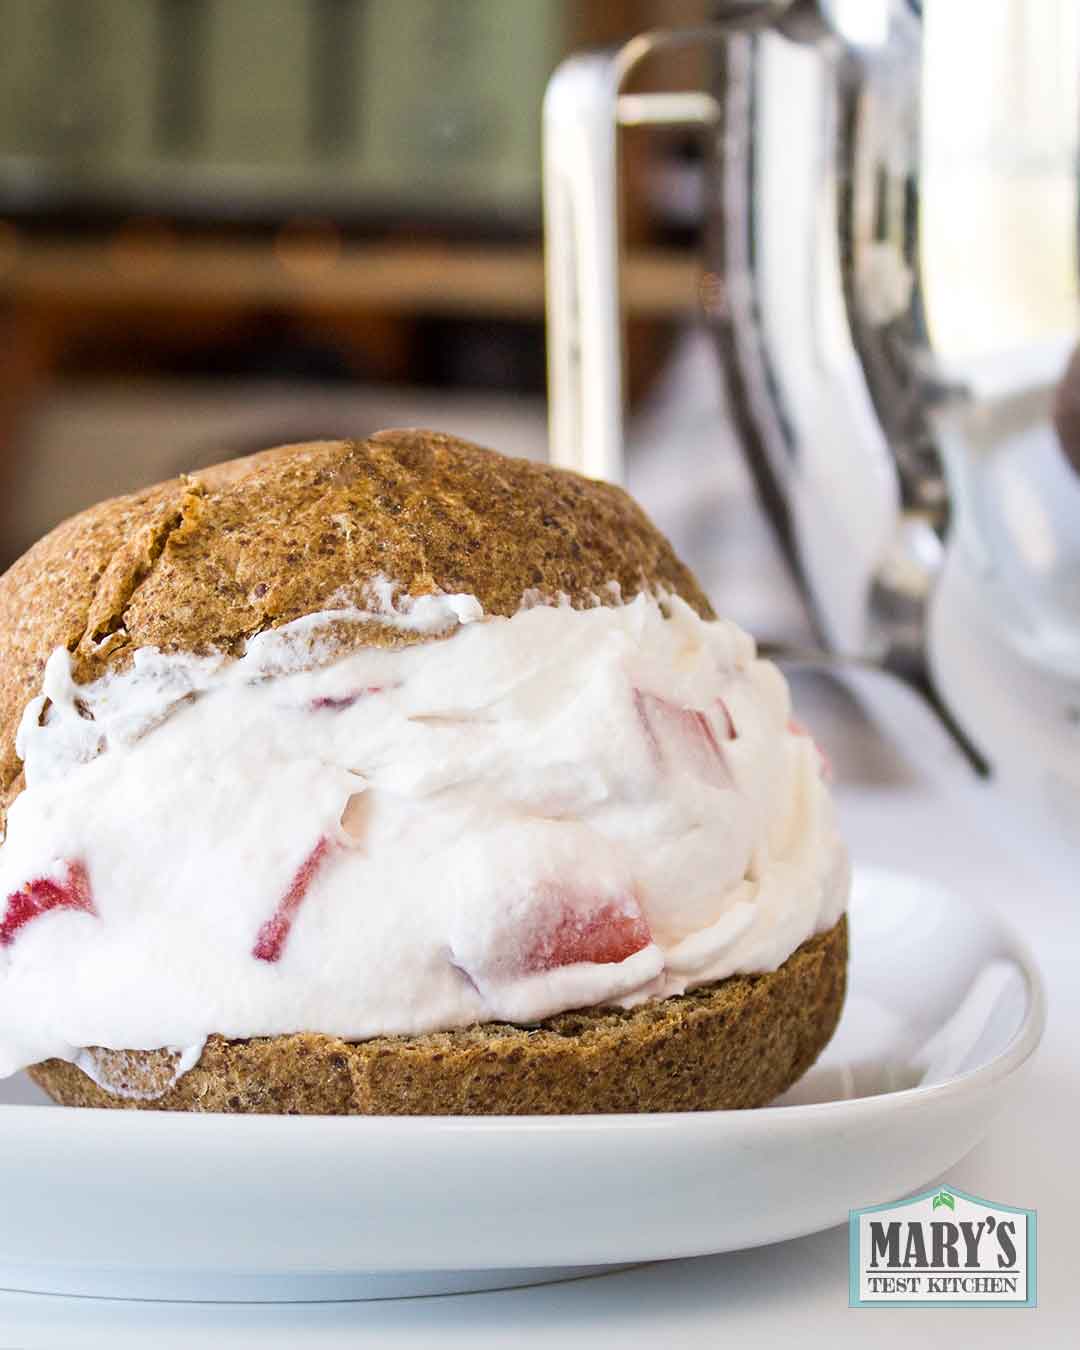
(339, 702)
(272, 936)
(684, 737)
(43, 894)
(606, 932)
(557, 944)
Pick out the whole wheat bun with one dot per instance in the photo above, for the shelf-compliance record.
(208, 561)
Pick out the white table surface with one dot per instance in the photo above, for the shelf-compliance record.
(907, 801)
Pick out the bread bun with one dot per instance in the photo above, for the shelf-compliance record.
(205, 562)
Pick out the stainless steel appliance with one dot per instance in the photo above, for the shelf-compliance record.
(891, 257)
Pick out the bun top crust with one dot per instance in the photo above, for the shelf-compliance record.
(209, 560)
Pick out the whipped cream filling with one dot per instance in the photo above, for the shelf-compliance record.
(565, 808)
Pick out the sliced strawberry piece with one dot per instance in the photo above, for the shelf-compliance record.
(556, 926)
(557, 944)
(337, 703)
(272, 936)
(602, 931)
(683, 737)
(43, 894)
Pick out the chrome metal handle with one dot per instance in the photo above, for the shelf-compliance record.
(583, 109)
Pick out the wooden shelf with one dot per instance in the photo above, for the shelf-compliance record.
(321, 274)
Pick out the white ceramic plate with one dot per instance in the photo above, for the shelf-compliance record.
(944, 1007)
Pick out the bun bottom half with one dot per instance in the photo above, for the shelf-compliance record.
(737, 1043)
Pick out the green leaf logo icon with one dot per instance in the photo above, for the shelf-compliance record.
(944, 1198)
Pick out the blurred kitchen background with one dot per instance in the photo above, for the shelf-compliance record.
(226, 224)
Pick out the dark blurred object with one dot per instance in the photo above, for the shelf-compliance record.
(493, 354)
(676, 189)
(1067, 410)
(268, 346)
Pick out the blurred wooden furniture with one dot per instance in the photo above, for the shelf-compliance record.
(314, 271)
(146, 292)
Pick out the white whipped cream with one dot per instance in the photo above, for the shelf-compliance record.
(565, 808)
